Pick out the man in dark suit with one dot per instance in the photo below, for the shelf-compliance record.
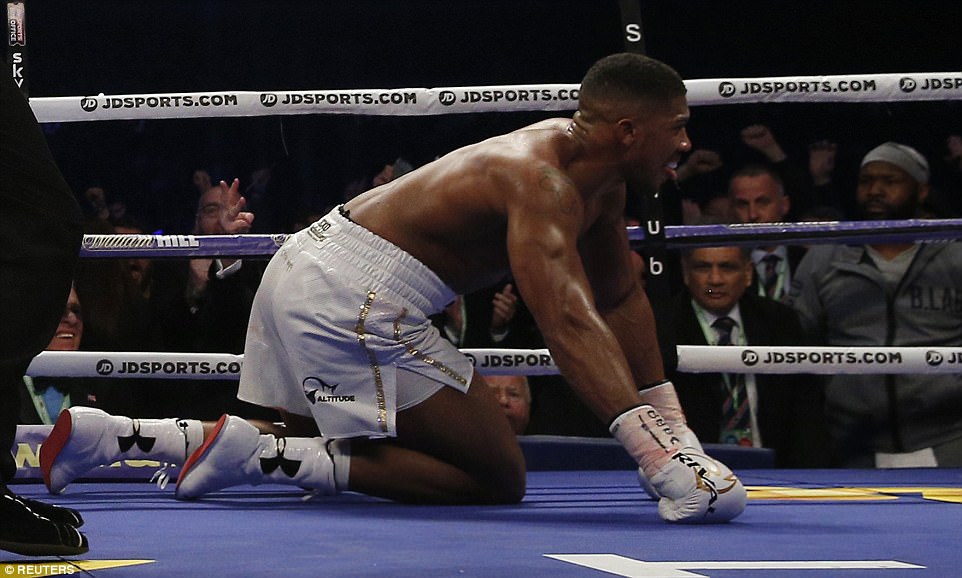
(40, 232)
(783, 412)
(758, 195)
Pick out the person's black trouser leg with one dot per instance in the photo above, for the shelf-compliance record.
(40, 234)
(9, 392)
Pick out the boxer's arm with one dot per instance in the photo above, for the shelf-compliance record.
(544, 222)
(625, 308)
(548, 269)
(621, 299)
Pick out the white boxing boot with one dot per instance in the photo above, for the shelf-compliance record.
(693, 487)
(236, 453)
(84, 438)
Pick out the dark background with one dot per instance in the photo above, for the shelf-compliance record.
(131, 47)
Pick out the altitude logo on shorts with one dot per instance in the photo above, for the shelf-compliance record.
(268, 99)
(726, 89)
(319, 391)
(105, 367)
(907, 84)
(447, 98)
(934, 358)
(749, 357)
(88, 104)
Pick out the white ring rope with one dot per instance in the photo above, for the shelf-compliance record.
(914, 86)
(139, 365)
(821, 360)
(691, 359)
(205, 366)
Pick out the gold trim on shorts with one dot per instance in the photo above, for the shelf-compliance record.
(426, 359)
(376, 368)
(372, 360)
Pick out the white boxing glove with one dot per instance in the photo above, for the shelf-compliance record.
(696, 489)
(664, 398)
(693, 488)
(689, 443)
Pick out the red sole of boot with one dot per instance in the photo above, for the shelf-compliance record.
(203, 448)
(54, 443)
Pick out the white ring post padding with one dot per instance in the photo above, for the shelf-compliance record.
(821, 360)
(691, 359)
(913, 86)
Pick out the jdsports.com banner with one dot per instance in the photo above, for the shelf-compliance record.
(691, 358)
(393, 102)
(821, 360)
(456, 100)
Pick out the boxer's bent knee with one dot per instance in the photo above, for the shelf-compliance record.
(506, 484)
(506, 480)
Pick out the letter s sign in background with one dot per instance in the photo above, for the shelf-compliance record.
(631, 24)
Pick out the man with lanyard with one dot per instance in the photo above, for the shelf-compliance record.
(757, 195)
(781, 412)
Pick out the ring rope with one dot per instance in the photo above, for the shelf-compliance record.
(211, 366)
(820, 232)
(820, 360)
(677, 237)
(115, 246)
(914, 86)
(691, 359)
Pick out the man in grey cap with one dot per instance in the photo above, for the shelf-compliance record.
(892, 183)
(888, 294)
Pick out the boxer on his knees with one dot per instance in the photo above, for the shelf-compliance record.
(339, 332)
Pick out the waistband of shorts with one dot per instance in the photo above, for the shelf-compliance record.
(385, 263)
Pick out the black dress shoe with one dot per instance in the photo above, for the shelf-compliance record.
(27, 532)
(58, 514)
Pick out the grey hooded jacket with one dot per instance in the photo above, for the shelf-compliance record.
(843, 300)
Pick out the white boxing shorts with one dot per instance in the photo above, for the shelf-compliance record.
(339, 331)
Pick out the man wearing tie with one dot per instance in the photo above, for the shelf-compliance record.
(781, 412)
(757, 195)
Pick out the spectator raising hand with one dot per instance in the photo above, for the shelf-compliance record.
(232, 217)
(699, 162)
(761, 139)
(504, 306)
